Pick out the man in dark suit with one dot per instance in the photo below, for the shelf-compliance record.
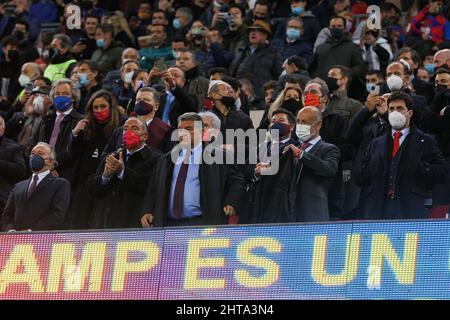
(56, 127)
(400, 166)
(369, 123)
(316, 168)
(186, 189)
(41, 202)
(267, 199)
(121, 180)
(333, 129)
(158, 132)
(12, 165)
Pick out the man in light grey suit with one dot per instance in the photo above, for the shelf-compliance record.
(317, 164)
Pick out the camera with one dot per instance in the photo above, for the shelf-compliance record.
(9, 10)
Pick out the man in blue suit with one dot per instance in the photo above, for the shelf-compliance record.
(400, 166)
(41, 202)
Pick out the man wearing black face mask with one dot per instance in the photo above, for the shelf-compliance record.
(61, 61)
(41, 202)
(340, 50)
(338, 79)
(9, 73)
(158, 132)
(27, 52)
(222, 95)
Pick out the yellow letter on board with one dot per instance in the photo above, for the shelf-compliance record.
(272, 269)
(63, 262)
(350, 270)
(22, 255)
(123, 266)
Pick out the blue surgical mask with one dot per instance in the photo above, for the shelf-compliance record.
(62, 103)
(83, 79)
(429, 67)
(297, 10)
(100, 43)
(176, 23)
(293, 34)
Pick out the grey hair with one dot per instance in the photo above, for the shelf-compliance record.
(214, 86)
(52, 150)
(65, 40)
(75, 91)
(323, 86)
(131, 49)
(316, 112)
(298, 19)
(190, 116)
(142, 122)
(37, 71)
(155, 93)
(214, 119)
(186, 12)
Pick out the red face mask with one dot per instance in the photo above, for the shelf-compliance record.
(312, 100)
(102, 116)
(131, 140)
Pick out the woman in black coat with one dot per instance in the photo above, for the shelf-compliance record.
(90, 137)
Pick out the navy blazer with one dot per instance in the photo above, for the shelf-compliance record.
(421, 164)
(44, 210)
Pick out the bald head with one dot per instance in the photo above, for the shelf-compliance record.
(130, 54)
(442, 59)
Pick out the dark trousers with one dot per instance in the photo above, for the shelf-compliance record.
(392, 209)
(195, 221)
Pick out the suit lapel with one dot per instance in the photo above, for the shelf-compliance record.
(410, 152)
(314, 150)
(22, 191)
(47, 179)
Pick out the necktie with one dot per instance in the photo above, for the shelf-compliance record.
(56, 129)
(396, 146)
(33, 186)
(369, 58)
(305, 146)
(178, 196)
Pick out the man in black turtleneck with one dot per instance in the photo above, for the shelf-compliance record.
(195, 84)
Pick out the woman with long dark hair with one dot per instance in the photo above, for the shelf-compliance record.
(90, 137)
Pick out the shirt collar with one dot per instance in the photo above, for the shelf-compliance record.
(314, 141)
(285, 140)
(196, 154)
(130, 153)
(404, 132)
(41, 175)
(65, 112)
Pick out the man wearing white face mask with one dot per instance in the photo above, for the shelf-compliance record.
(400, 166)
(398, 79)
(121, 88)
(317, 166)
